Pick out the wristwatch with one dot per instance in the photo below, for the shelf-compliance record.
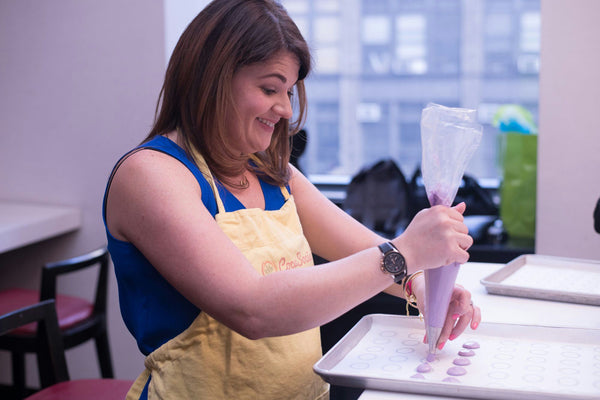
(393, 261)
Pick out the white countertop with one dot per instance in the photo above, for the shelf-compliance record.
(26, 223)
(506, 309)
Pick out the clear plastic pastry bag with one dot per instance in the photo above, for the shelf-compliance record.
(449, 137)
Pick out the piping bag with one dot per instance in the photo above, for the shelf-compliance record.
(449, 137)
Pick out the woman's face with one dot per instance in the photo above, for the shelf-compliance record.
(261, 96)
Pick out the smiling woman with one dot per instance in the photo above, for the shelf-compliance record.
(212, 232)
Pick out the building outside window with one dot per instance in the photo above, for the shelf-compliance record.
(379, 62)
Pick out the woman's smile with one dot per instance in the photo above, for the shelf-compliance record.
(266, 122)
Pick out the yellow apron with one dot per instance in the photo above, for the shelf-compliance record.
(209, 360)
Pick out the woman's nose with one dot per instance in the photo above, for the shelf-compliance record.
(284, 107)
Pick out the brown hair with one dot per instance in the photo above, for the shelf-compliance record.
(225, 36)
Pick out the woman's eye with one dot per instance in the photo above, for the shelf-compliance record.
(269, 92)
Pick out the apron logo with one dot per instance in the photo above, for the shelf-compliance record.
(299, 261)
(268, 267)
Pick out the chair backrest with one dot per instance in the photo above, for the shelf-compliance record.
(99, 257)
(53, 368)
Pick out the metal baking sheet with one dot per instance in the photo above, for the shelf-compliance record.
(548, 278)
(382, 352)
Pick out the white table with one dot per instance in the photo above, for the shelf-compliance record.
(26, 223)
(505, 309)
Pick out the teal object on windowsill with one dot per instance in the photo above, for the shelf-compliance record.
(514, 118)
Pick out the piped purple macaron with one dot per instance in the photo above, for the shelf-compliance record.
(471, 345)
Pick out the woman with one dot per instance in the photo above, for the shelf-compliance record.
(211, 230)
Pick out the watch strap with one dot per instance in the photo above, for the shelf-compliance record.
(387, 246)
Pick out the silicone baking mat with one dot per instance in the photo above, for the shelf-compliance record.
(512, 362)
(549, 278)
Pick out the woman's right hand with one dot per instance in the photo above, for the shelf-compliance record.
(436, 236)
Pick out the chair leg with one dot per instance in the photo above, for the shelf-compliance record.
(18, 372)
(104, 358)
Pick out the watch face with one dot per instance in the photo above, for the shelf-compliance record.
(394, 263)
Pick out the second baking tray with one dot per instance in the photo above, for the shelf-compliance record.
(382, 352)
(548, 278)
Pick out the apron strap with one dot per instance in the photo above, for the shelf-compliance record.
(206, 172)
(285, 192)
(138, 386)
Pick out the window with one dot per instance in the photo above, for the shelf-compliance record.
(393, 57)
(411, 49)
(379, 62)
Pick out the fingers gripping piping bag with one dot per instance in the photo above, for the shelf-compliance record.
(449, 137)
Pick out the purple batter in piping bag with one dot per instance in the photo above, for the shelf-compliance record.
(449, 137)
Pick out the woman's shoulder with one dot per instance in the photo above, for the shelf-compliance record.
(147, 177)
(158, 164)
(158, 158)
(161, 164)
(148, 164)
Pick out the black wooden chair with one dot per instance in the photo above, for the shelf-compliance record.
(52, 365)
(79, 319)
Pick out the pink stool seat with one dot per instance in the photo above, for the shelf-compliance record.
(70, 310)
(88, 389)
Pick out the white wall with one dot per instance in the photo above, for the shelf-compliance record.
(569, 141)
(178, 14)
(78, 86)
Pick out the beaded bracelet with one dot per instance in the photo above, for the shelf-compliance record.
(411, 299)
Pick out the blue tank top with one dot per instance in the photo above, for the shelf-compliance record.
(153, 311)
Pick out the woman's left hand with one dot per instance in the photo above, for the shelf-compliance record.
(461, 311)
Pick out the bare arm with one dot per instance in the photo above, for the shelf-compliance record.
(436, 236)
(332, 233)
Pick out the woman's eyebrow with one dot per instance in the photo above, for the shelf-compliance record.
(275, 75)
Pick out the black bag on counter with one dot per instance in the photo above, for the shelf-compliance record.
(379, 197)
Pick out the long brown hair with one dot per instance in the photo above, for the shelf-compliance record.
(196, 93)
